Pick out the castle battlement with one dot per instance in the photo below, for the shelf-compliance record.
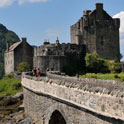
(59, 56)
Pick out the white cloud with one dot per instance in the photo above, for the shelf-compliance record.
(31, 1)
(4, 3)
(121, 16)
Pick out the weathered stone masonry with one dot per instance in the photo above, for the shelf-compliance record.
(99, 32)
(78, 100)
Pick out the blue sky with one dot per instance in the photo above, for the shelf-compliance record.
(46, 19)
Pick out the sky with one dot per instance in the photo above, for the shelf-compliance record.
(40, 20)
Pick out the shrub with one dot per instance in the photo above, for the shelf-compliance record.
(113, 66)
(116, 76)
(122, 78)
(95, 64)
(9, 76)
(16, 86)
(22, 67)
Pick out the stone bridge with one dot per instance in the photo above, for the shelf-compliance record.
(57, 99)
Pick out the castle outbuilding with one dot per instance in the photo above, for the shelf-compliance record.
(17, 53)
(59, 57)
(99, 32)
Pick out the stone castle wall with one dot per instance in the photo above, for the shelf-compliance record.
(9, 62)
(79, 101)
(59, 57)
(24, 53)
(99, 32)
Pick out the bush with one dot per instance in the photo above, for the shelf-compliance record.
(114, 66)
(22, 67)
(9, 76)
(116, 76)
(95, 64)
(16, 86)
(122, 78)
(10, 86)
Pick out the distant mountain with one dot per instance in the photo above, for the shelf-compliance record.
(5, 36)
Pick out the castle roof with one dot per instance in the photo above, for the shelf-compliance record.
(15, 45)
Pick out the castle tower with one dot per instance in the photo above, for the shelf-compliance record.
(57, 41)
(99, 32)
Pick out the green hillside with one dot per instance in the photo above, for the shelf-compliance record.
(5, 36)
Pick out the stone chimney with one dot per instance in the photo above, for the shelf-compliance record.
(99, 6)
(7, 46)
(24, 39)
(99, 11)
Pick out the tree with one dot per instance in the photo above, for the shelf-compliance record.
(95, 64)
(22, 67)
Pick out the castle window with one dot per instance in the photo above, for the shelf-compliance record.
(102, 40)
(78, 25)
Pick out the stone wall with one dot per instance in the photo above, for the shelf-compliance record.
(41, 108)
(52, 62)
(59, 57)
(79, 101)
(17, 53)
(99, 32)
(24, 53)
(9, 62)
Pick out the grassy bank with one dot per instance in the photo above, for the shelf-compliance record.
(9, 86)
(108, 76)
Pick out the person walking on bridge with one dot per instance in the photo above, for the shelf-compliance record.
(38, 73)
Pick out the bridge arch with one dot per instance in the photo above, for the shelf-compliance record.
(57, 118)
(51, 112)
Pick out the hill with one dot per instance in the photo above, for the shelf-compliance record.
(5, 36)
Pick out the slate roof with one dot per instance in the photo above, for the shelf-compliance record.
(15, 45)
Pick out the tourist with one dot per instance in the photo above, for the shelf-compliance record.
(38, 73)
(34, 71)
(47, 69)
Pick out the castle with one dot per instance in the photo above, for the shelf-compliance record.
(99, 32)
(95, 31)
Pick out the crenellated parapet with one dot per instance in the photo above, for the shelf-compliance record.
(103, 97)
(59, 57)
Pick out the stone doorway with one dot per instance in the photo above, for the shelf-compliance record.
(57, 118)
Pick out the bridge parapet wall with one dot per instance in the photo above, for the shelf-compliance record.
(102, 97)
